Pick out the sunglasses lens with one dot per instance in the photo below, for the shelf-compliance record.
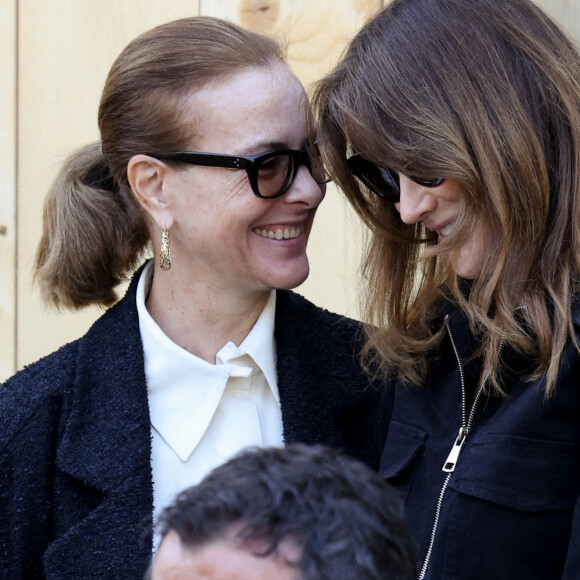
(383, 182)
(427, 182)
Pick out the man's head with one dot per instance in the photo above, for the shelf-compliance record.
(224, 558)
(293, 513)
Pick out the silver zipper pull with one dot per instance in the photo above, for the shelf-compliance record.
(451, 462)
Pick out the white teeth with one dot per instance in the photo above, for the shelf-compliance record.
(445, 231)
(279, 234)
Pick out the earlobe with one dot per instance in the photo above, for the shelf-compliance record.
(146, 175)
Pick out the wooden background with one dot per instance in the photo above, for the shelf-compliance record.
(54, 57)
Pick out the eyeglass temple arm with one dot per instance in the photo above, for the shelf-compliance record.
(210, 160)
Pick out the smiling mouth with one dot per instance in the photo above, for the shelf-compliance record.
(279, 234)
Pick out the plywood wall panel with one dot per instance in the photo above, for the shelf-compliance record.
(66, 48)
(565, 12)
(7, 187)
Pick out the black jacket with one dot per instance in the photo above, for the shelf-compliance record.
(75, 475)
(510, 509)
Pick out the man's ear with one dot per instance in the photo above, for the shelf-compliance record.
(146, 175)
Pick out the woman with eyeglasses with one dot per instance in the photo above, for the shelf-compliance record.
(207, 155)
(453, 127)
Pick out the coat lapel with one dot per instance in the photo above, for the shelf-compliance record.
(106, 447)
(325, 396)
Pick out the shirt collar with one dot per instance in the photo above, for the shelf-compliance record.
(260, 344)
(184, 394)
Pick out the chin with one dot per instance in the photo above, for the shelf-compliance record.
(290, 280)
(468, 271)
(471, 259)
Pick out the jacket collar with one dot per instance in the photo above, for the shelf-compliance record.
(108, 421)
(106, 447)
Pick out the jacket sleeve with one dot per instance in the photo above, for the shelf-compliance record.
(26, 464)
(30, 411)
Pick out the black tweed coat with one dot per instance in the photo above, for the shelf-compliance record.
(75, 475)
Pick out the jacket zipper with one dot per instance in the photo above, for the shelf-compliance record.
(453, 457)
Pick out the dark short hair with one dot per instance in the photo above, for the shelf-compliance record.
(345, 518)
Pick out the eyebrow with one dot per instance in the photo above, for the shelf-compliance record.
(266, 146)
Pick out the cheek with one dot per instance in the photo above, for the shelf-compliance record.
(214, 186)
(234, 186)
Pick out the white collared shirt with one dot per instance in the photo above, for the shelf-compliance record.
(201, 413)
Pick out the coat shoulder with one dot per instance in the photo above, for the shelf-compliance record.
(327, 396)
(39, 389)
(303, 313)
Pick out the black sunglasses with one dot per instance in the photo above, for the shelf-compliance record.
(270, 174)
(382, 181)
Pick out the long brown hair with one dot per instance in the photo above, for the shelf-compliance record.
(486, 92)
(94, 231)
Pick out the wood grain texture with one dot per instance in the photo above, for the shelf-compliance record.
(7, 187)
(66, 48)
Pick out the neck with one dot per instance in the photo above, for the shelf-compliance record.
(201, 318)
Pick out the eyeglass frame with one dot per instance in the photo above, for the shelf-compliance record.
(251, 163)
(353, 161)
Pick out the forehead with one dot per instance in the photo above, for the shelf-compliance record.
(218, 560)
(257, 106)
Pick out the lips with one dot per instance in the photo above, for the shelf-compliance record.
(286, 233)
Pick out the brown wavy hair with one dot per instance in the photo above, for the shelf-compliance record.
(486, 92)
(94, 230)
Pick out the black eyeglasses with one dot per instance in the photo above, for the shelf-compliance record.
(382, 181)
(270, 174)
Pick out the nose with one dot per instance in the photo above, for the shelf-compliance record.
(415, 201)
(305, 189)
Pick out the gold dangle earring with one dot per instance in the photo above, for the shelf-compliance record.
(165, 252)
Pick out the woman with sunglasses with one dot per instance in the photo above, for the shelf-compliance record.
(205, 154)
(453, 127)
